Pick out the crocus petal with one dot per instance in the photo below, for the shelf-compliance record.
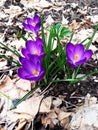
(28, 66)
(71, 63)
(36, 19)
(37, 78)
(35, 59)
(25, 52)
(70, 46)
(70, 51)
(80, 62)
(31, 28)
(88, 54)
(34, 47)
(26, 26)
(37, 27)
(29, 20)
(40, 77)
(42, 55)
(22, 59)
(22, 73)
(30, 46)
(79, 49)
(39, 41)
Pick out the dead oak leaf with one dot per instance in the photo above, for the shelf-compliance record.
(13, 10)
(36, 4)
(63, 115)
(50, 119)
(21, 124)
(45, 105)
(74, 25)
(23, 84)
(43, 4)
(14, 117)
(26, 110)
(7, 85)
(29, 106)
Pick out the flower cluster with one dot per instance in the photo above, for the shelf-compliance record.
(33, 53)
(48, 60)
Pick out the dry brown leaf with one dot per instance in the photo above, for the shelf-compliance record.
(82, 11)
(65, 123)
(26, 110)
(23, 84)
(13, 10)
(50, 119)
(18, 43)
(9, 88)
(15, 91)
(6, 85)
(57, 102)
(64, 21)
(29, 106)
(45, 105)
(44, 4)
(21, 124)
(83, 34)
(33, 1)
(74, 25)
(2, 129)
(49, 21)
(38, 5)
(3, 64)
(1, 4)
(13, 117)
(52, 115)
(63, 115)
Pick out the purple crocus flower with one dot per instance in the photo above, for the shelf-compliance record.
(76, 54)
(33, 48)
(31, 68)
(32, 24)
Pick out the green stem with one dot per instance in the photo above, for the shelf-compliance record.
(8, 97)
(20, 35)
(8, 59)
(77, 79)
(63, 80)
(71, 37)
(85, 39)
(77, 70)
(13, 51)
(68, 70)
(91, 39)
(87, 75)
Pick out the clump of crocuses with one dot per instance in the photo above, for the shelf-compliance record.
(33, 53)
(76, 54)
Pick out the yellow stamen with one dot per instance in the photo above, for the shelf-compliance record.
(35, 72)
(33, 24)
(76, 57)
(36, 52)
